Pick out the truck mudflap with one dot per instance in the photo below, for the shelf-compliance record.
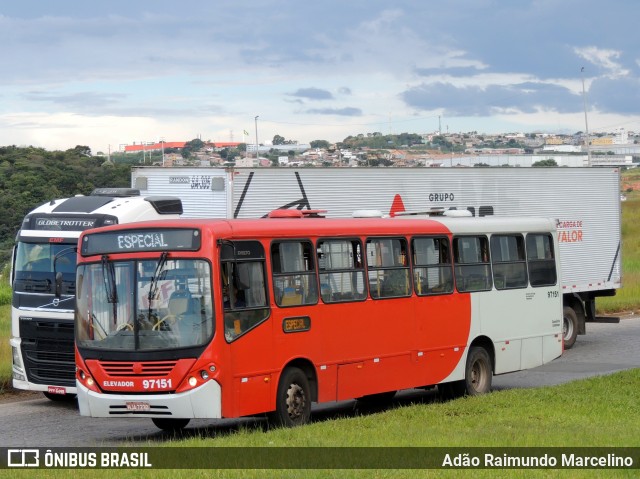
(605, 319)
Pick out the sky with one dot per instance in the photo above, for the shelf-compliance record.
(107, 74)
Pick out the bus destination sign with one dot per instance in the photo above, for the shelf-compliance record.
(128, 241)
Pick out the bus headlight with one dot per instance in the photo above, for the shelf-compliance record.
(85, 378)
(193, 381)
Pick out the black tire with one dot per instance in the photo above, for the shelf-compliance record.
(379, 399)
(569, 327)
(59, 397)
(293, 399)
(170, 424)
(478, 372)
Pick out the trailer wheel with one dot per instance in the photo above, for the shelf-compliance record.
(478, 372)
(170, 424)
(293, 400)
(569, 327)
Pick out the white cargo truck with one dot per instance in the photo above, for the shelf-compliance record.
(585, 203)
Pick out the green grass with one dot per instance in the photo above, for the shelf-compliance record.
(5, 348)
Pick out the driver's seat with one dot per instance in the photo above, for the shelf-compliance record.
(179, 302)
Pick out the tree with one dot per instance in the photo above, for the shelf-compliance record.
(278, 140)
(545, 163)
(319, 144)
(192, 146)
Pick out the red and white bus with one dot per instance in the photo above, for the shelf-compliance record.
(186, 319)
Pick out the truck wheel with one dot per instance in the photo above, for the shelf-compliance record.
(170, 424)
(293, 400)
(569, 327)
(478, 372)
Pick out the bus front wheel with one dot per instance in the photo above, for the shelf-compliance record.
(569, 327)
(293, 400)
(170, 424)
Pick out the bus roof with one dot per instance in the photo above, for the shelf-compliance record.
(318, 227)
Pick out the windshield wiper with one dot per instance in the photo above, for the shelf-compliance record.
(155, 279)
(109, 275)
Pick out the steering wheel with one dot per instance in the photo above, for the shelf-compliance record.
(169, 318)
(123, 326)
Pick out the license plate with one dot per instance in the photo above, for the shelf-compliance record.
(56, 390)
(138, 406)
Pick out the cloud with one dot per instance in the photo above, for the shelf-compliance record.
(471, 100)
(348, 111)
(84, 100)
(604, 59)
(615, 95)
(313, 94)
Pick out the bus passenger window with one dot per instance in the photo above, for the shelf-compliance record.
(341, 271)
(388, 268)
(294, 278)
(243, 287)
(432, 268)
(541, 260)
(509, 262)
(472, 267)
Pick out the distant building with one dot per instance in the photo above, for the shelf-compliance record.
(175, 144)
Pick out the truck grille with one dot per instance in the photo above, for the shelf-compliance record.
(47, 350)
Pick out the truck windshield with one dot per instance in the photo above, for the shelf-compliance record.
(34, 267)
(157, 304)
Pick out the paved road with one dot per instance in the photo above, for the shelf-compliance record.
(41, 423)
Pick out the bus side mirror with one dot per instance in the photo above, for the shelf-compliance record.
(58, 284)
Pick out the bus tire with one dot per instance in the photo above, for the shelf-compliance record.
(170, 424)
(293, 399)
(478, 372)
(569, 327)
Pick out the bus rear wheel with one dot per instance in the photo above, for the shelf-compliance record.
(569, 327)
(293, 400)
(170, 424)
(478, 372)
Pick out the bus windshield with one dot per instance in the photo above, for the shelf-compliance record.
(153, 304)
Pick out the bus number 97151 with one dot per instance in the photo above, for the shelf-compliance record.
(156, 384)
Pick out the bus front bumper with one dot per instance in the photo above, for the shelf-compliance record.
(202, 402)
